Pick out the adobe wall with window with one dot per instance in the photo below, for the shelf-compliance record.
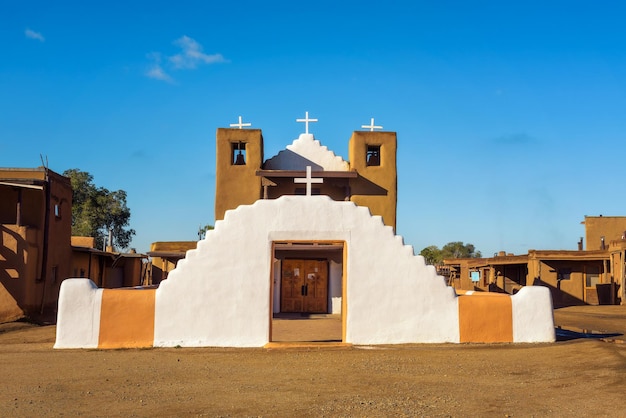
(373, 156)
(572, 276)
(35, 218)
(239, 155)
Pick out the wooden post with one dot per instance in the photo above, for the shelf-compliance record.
(18, 215)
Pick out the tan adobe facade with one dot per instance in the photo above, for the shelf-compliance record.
(596, 275)
(37, 251)
(368, 179)
(35, 230)
(165, 255)
(601, 230)
(107, 269)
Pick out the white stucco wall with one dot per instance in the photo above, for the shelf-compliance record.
(219, 294)
(335, 286)
(533, 315)
(78, 317)
(306, 150)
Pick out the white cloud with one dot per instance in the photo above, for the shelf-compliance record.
(192, 54)
(190, 57)
(156, 71)
(34, 35)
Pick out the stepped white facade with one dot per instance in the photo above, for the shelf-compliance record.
(225, 291)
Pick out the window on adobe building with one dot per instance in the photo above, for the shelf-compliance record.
(373, 155)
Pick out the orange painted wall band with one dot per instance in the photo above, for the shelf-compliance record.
(127, 318)
(485, 318)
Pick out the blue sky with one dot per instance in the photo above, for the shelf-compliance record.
(509, 115)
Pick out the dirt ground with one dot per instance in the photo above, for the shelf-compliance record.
(577, 377)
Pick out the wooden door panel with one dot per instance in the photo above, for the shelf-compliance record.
(304, 286)
(291, 286)
(316, 281)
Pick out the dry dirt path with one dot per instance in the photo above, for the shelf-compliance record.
(580, 377)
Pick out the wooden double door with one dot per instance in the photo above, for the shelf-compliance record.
(304, 286)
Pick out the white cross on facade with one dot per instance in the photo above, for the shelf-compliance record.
(308, 180)
(371, 126)
(306, 121)
(240, 124)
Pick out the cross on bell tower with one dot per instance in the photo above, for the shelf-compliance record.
(240, 124)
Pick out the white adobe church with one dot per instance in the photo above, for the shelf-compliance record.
(267, 256)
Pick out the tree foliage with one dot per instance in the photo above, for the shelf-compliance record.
(202, 231)
(96, 211)
(434, 255)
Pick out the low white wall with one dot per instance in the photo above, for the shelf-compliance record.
(533, 315)
(78, 317)
(219, 295)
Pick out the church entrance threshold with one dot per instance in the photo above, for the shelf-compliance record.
(307, 292)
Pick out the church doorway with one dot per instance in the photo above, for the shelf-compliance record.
(308, 281)
(304, 286)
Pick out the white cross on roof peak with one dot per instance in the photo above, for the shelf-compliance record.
(308, 180)
(240, 124)
(306, 121)
(371, 126)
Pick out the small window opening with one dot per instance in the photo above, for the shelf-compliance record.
(373, 155)
(57, 210)
(238, 156)
(564, 274)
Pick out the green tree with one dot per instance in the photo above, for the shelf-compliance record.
(202, 231)
(434, 255)
(459, 250)
(98, 212)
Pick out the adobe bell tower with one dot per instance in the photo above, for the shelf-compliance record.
(373, 156)
(239, 155)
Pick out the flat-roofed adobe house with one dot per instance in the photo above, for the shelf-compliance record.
(302, 232)
(108, 269)
(35, 230)
(165, 255)
(595, 275)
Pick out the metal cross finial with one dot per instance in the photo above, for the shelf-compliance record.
(240, 124)
(308, 180)
(371, 126)
(306, 121)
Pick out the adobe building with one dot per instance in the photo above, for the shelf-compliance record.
(293, 234)
(108, 269)
(35, 230)
(595, 275)
(164, 256)
(369, 179)
(37, 251)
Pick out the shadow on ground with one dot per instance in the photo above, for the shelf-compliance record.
(563, 334)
